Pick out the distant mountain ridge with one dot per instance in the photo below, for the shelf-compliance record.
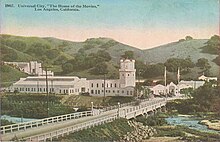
(68, 49)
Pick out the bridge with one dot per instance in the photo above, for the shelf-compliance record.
(54, 127)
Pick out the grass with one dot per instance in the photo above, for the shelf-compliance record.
(106, 132)
(79, 100)
(9, 75)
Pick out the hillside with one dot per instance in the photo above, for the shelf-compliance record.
(81, 58)
(9, 75)
(184, 49)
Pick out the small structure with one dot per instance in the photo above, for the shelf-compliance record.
(172, 89)
(205, 78)
(193, 84)
(158, 89)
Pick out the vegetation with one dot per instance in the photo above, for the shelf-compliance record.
(85, 101)
(154, 120)
(32, 105)
(106, 132)
(9, 75)
(204, 99)
(128, 55)
(172, 64)
(212, 46)
(186, 133)
(5, 122)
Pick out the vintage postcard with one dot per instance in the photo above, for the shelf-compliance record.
(110, 71)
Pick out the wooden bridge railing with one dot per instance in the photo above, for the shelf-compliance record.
(71, 129)
(40, 122)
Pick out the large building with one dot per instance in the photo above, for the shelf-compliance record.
(31, 68)
(124, 86)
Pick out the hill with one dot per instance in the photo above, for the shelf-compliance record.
(185, 49)
(85, 58)
(9, 75)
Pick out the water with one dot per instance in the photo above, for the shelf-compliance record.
(17, 119)
(191, 122)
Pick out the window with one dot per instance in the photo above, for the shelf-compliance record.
(95, 91)
(67, 91)
(127, 92)
(97, 85)
(92, 85)
(128, 74)
(98, 91)
(115, 85)
(102, 90)
(107, 85)
(113, 91)
(44, 90)
(32, 89)
(109, 91)
(106, 91)
(60, 91)
(117, 91)
(131, 92)
(111, 84)
(92, 91)
(20, 89)
(102, 84)
(122, 91)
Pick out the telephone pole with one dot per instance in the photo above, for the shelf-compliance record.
(46, 69)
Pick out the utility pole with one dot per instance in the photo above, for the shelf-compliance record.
(165, 81)
(46, 69)
(104, 91)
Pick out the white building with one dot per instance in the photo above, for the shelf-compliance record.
(158, 89)
(124, 86)
(56, 84)
(191, 84)
(205, 78)
(31, 68)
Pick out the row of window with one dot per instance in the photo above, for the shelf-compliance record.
(44, 90)
(128, 74)
(107, 85)
(34, 89)
(109, 91)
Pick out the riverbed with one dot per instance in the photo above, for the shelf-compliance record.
(191, 122)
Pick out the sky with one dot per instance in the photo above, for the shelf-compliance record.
(139, 23)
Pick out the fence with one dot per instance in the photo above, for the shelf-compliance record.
(37, 123)
(72, 129)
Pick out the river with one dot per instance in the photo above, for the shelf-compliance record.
(191, 122)
(17, 119)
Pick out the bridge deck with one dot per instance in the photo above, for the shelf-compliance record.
(126, 112)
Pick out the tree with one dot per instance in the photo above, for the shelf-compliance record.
(140, 67)
(67, 68)
(128, 55)
(104, 55)
(203, 63)
(188, 38)
(100, 69)
(172, 64)
(153, 70)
